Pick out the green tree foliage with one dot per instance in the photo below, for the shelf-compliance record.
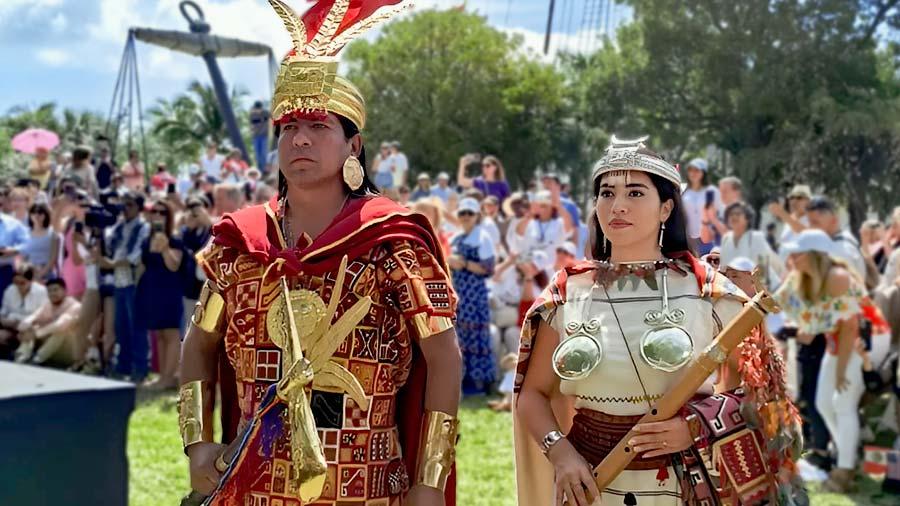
(793, 91)
(73, 127)
(445, 83)
(181, 127)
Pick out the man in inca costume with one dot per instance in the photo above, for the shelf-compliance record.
(335, 310)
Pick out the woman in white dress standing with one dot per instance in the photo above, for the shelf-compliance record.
(742, 241)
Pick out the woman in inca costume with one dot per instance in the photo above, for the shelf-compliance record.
(611, 337)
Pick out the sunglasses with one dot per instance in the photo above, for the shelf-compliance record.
(463, 214)
(796, 197)
(159, 212)
(714, 261)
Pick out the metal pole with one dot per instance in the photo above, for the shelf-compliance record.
(549, 27)
(116, 90)
(140, 107)
(131, 95)
(224, 102)
(199, 25)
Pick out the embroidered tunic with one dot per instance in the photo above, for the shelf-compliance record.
(408, 286)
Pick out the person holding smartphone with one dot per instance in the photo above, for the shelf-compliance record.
(123, 254)
(74, 251)
(700, 198)
(492, 180)
(160, 290)
(824, 295)
(195, 232)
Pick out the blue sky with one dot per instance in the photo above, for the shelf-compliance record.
(68, 51)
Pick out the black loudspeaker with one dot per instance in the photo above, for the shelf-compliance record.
(62, 438)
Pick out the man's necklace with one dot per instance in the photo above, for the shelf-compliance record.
(287, 227)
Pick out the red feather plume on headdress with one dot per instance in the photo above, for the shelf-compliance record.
(356, 12)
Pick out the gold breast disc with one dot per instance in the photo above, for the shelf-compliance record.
(309, 309)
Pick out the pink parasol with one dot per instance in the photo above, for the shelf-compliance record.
(30, 140)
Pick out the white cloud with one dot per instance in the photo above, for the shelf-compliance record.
(59, 22)
(159, 61)
(53, 57)
(10, 8)
(116, 16)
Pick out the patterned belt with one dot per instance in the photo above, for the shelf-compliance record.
(595, 434)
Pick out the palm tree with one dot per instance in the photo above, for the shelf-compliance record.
(22, 117)
(74, 128)
(191, 119)
(80, 128)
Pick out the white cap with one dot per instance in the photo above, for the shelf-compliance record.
(468, 204)
(542, 197)
(423, 176)
(742, 264)
(810, 239)
(443, 175)
(699, 163)
(541, 260)
(568, 247)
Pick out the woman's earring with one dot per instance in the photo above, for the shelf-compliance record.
(662, 230)
(605, 242)
(353, 173)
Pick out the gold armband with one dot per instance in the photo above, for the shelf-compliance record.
(427, 326)
(190, 413)
(209, 309)
(437, 449)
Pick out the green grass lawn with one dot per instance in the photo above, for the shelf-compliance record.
(159, 469)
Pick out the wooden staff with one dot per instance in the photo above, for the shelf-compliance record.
(700, 369)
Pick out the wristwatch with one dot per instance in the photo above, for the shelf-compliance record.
(552, 437)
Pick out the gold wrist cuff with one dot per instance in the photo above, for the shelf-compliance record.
(209, 309)
(427, 326)
(190, 413)
(437, 449)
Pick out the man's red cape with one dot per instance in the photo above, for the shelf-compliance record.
(360, 226)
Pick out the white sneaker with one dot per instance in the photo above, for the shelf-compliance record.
(24, 352)
(810, 473)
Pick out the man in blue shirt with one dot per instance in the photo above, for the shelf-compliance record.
(552, 183)
(443, 189)
(124, 241)
(13, 237)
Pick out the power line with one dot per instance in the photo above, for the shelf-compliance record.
(549, 26)
(609, 10)
(569, 25)
(595, 9)
(584, 15)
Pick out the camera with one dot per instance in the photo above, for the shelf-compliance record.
(97, 216)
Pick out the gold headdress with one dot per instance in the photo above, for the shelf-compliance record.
(622, 154)
(307, 81)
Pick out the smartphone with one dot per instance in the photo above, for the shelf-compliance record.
(865, 333)
(171, 189)
(157, 228)
(787, 333)
(79, 227)
(710, 198)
